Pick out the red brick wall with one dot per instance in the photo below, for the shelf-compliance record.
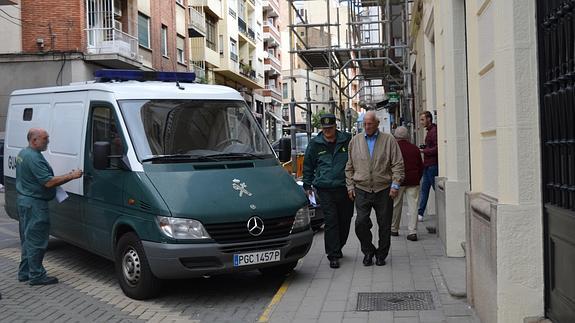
(163, 12)
(60, 23)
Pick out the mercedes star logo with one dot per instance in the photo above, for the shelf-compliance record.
(255, 226)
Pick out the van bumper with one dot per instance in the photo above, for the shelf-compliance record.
(176, 261)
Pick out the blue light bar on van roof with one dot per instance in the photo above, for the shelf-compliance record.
(137, 75)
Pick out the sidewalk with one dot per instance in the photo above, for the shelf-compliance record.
(317, 293)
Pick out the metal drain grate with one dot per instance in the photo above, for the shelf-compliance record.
(395, 301)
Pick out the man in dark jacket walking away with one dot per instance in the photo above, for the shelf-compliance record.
(410, 187)
(324, 169)
(429, 151)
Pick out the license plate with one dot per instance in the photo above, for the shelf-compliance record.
(312, 213)
(261, 257)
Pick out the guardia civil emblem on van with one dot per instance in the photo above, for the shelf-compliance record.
(241, 187)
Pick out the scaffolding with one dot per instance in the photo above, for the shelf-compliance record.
(372, 51)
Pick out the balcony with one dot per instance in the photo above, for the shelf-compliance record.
(271, 34)
(197, 27)
(272, 91)
(272, 8)
(112, 47)
(247, 71)
(272, 64)
(213, 7)
(246, 32)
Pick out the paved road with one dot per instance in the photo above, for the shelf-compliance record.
(88, 290)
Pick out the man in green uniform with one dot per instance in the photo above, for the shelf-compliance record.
(36, 185)
(324, 169)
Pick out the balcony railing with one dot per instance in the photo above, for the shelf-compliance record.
(251, 34)
(234, 57)
(242, 25)
(197, 20)
(112, 41)
(198, 68)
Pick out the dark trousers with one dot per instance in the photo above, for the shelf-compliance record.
(383, 206)
(338, 211)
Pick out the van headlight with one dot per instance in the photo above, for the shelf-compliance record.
(179, 228)
(301, 222)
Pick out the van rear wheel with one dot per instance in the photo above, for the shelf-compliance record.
(134, 275)
(279, 270)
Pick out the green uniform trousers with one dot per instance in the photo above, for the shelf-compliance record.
(34, 235)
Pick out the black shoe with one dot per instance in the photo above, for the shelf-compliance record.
(334, 263)
(395, 234)
(380, 261)
(339, 255)
(368, 260)
(48, 280)
(412, 237)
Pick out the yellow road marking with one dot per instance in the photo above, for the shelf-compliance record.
(275, 300)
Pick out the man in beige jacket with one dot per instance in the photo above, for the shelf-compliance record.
(374, 171)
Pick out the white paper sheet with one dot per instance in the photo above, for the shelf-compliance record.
(61, 195)
(311, 198)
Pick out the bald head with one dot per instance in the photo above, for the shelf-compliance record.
(370, 123)
(38, 139)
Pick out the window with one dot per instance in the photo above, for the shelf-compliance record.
(285, 91)
(211, 24)
(233, 50)
(164, 40)
(143, 30)
(180, 45)
(104, 129)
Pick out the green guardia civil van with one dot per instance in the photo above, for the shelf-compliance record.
(179, 179)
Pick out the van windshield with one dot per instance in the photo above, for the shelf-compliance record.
(191, 129)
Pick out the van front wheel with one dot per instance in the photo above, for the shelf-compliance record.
(134, 275)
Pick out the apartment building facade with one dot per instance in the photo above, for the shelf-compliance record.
(499, 75)
(56, 42)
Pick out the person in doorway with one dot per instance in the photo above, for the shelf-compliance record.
(324, 169)
(410, 185)
(374, 172)
(429, 151)
(35, 186)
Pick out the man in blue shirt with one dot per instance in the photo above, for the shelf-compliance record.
(36, 185)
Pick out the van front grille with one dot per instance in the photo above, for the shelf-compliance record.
(238, 231)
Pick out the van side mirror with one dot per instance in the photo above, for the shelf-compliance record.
(285, 149)
(102, 155)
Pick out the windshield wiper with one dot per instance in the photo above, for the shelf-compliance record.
(239, 156)
(180, 157)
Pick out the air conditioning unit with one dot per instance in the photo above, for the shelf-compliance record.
(118, 25)
(117, 8)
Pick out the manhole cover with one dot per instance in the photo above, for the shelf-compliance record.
(395, 301)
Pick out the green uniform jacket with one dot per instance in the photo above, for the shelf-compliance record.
(32, 173)
(321, 169)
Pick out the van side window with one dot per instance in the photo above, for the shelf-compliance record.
(104, 128)
(27, 114)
